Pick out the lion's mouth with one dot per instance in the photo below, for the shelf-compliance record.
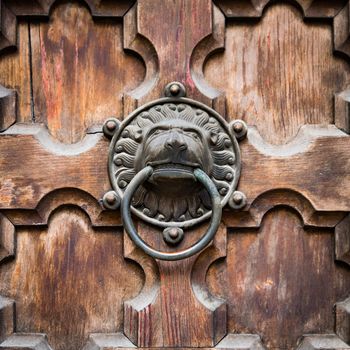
(173, 171)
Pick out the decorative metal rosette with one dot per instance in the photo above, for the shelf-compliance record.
(174, 135)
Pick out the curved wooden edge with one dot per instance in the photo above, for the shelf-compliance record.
(10, 10)
(138, 44)
(336, 12)
(324, 183)
(7, 312)
(216, 305)
(231, 341)
(51, 202)
(141, 310)
(342, 242)
(37, 8)
(342, 312)
(253, 215)
(26, 341)
(322, 341)
(209, 45)
(8, 105)
(245, 9)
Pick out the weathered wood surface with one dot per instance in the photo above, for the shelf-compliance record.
(27, 173)
(63, 262)
(79, 79)
(69, 279)
(279, 271)
(190, 31)
(279, 73)
(175, 309)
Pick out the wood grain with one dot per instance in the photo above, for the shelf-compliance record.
(78, 78)
(15, 75)
(27, 173)
(69, 280)
(281, 280)
(175, 309)
(168, 52)
(279, 73)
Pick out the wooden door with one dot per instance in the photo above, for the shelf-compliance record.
(276, 275)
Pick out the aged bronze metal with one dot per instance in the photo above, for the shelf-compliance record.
(238, 200)
(239, 129)
(110, 127)
(140, 178)
(165, 160)
(111, 200)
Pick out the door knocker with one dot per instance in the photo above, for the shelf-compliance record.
(174, 163)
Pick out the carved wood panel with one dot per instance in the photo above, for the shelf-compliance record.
(276, 276)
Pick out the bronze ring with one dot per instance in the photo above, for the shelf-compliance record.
(141, 177)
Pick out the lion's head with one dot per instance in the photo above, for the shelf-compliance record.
(174, 139)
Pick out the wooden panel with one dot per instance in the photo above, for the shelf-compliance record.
(190, 31)
(69, 280)
(15, 73)
(27, 173)
(79, 71)
(279, 73)
(281, 281)
(175, 308)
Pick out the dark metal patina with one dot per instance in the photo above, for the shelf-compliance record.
(174, 162)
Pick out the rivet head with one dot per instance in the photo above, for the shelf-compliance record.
(237, 197)
(238, 127)
(174, 89)
(238, 200)
(173, 235)
(111, 125)
(229, 176)
(223, 191)
(174, 232)
(122, 183)
(231, 161)
(111, 200)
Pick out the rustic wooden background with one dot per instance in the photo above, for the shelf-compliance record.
(277, 271)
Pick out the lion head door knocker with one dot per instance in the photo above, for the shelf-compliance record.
(174, 163)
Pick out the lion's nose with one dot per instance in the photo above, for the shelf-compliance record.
(175, 142)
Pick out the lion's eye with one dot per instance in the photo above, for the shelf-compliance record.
(194, 135)
(156, 132)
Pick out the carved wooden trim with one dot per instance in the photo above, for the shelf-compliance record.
(283, 168)
(9, 10)
(322, 341)
(245, 9)
(118, 340)
(154, 317)
(7, 314)
(8, 102)
(342, 312)
(342, 240)
(174, 58)
(26, 341)
(7, 239)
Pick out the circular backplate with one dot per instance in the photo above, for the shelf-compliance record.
(174, 136)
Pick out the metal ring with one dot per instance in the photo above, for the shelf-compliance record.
(204, 179)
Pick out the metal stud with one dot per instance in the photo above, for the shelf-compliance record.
(239, 129)
(111, 200)
(173, 235)
(238, 200)
(110, 127)
(175, 89)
